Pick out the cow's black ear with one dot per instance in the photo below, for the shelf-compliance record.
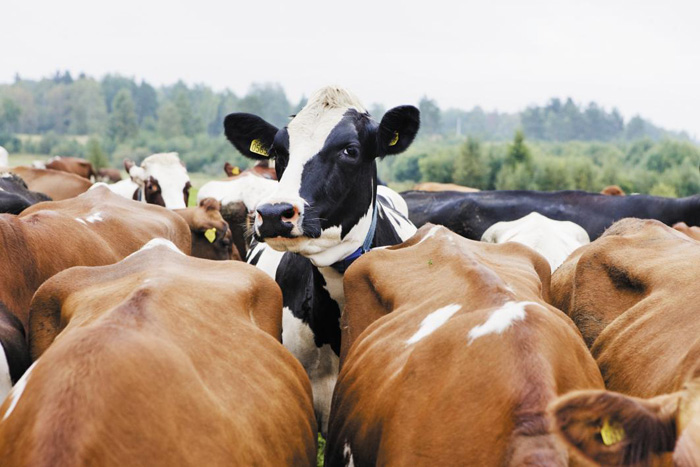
(398, 129)
(250, 134)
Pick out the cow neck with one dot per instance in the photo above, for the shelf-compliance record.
(342, 265)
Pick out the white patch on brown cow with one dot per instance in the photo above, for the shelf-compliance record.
(17, 391)
(81, 220)
(97, 217)
(347, 455)
(500, 320)
(433, 321)
(5, 378)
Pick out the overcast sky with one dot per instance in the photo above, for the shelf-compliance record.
(642, 57)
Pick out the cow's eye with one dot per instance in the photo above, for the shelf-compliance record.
(351, 152)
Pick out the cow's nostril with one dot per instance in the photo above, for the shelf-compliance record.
(289, 213)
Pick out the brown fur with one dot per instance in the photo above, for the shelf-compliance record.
(74, 165)
(202, 218)
(46, 239)
(613, 190)
(444, 400)
(261, 169)
(634, 294)
(56, 184)
(109, 175)
(151, 374)
(692, 232)
(434, 186)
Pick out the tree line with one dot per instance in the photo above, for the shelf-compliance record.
(568, 145)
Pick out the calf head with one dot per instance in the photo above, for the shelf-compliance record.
(325, 164)
(615, 429)
(162, 180)
(211, 236)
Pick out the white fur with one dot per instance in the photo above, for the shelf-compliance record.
(17, 391)
(6, 175)
(269, 259)
(96, 217)
(555, 240)
(396, 200)
(167, 169)
(2, 189)
(5, 378)
(433, 321)
(430, 233)
(500, 320)
(320, 363)
(248, 188)
(125, 188)
(4, 157)
(347, 455)
(157, 242)
(82, 221)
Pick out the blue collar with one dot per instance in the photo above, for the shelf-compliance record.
(342, 265)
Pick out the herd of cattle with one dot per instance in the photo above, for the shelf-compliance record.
(431, 328)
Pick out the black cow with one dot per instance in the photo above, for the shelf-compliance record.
(15, 197)
(328, 209)
(470, 214)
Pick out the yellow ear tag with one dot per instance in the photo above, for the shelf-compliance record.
(611, 434)
(235, 170)
(257, 147)
(210, 234)
(395, 140)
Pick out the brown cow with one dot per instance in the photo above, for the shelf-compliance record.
(692, 232)
(211, 236)
(434, 186)
(146, 371)
(108, 174)
(96, 228)
(261, 169)
(450, 355)
(56, 184)
(74, 165)
(635, 297)
(613, 190)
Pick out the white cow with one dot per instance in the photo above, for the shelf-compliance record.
(555, 240)
(4, 157)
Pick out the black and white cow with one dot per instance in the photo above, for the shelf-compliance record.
(15, 196)
(324, 213)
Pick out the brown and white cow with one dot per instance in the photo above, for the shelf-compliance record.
(450, 355)
(54, 183)
(634, 295)
(263, 169)
(108, 174)
(74, 165)
(160, 179)
(159, 360)
(211, 236)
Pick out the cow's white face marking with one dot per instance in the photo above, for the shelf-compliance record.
(17, 391)
(433, 321)
(248, 188)
(170, 174)
(500, 320)
(347, 455)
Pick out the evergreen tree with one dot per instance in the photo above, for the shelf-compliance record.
(122, 122)
(518, 152)
(96, 155)
(429, 116)
(469, 167)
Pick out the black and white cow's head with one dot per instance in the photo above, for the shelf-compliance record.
(325, 163)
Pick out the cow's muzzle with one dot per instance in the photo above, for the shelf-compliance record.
(277, 220)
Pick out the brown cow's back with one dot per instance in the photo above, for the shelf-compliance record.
(74, 165)
(462, 392)
(56, 184)
(636, 284)
(94, 229)
(161, 360)
(435, 186)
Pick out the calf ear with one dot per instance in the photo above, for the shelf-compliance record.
(397, 130)
(613, 429)
(250, 134)
(210, 204)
